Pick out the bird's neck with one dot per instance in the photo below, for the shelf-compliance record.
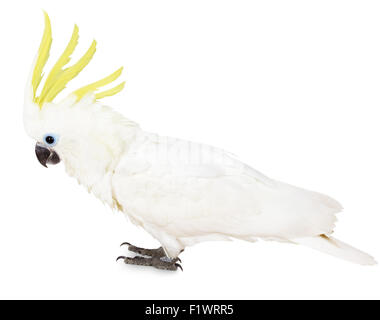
(93, 166)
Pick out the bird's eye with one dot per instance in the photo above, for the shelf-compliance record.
(50, 139)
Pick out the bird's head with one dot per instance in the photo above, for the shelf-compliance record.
(77, 130)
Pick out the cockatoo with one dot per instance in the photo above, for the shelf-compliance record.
(180, 192)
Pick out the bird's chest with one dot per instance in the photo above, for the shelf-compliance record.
(98, 185)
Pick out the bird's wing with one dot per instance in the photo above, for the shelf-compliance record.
(159, 155)
(191, 191)
(186, 187)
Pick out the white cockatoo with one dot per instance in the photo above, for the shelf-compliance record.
(180, 192)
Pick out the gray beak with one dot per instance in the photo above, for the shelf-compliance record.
(46, 155)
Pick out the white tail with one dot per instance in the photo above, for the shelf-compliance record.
(336, 248)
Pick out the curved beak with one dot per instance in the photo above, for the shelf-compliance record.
(46, 155)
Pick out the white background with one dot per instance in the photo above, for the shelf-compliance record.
(291, 87)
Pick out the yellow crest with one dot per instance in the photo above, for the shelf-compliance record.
(59, 76)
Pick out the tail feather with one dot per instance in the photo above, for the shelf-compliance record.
(336, 248)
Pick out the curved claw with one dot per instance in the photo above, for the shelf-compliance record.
(120, 257)
(178, 266)
(125, 243)
(177, 259)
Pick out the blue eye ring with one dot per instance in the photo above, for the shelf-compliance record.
(50, 139)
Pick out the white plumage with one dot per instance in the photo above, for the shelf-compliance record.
(184, 193)
(180, 192)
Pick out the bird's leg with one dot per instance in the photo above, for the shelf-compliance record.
(153, 257)
(159, 252)
(159, 263)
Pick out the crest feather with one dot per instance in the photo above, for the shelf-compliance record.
(69, 74)
(56, 71)
(43, 55)
(58, 77)
(110, 92)
(92, 87)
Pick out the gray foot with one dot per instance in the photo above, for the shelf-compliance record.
(158, 263)
(159, 252)
(152, 257)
